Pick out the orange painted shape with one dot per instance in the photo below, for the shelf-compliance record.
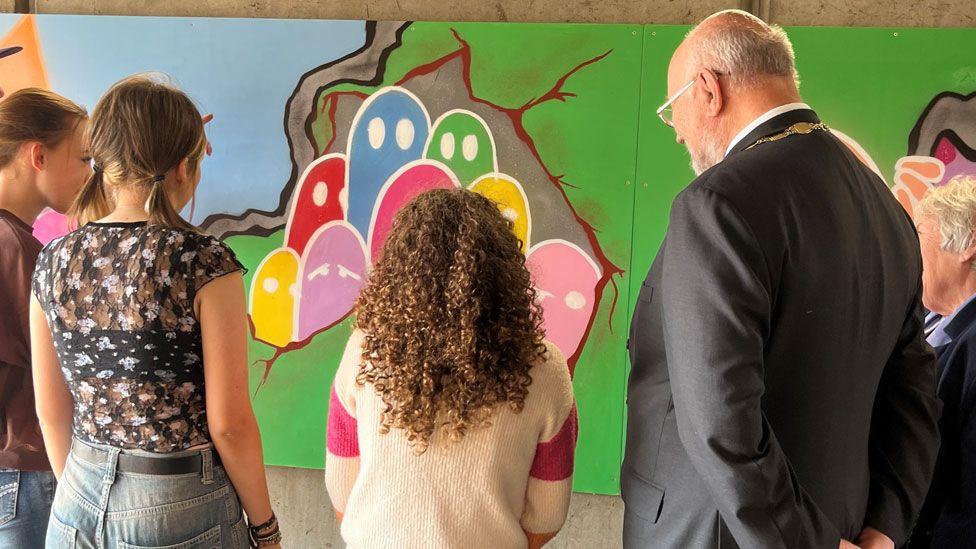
(914, 184)
(928, 170)
(24, 69)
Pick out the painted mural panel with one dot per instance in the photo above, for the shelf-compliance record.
(322, 130)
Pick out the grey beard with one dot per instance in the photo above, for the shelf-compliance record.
(712, 152)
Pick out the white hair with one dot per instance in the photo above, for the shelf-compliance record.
(953, 205)
(744, 47)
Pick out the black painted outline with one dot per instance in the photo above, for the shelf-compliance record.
(964, 148)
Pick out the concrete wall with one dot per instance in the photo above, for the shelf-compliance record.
(874, 13)
(594, 521)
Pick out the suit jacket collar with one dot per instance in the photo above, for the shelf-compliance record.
(959, 326)
(773, 126)
(961, 320)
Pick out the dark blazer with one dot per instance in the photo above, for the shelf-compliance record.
(781, 315)
(948, 518)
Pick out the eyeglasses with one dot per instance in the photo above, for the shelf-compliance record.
(664, 112)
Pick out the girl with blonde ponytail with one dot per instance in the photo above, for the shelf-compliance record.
(140, 347)
(43, 163)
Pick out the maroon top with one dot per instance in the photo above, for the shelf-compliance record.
(21, 445)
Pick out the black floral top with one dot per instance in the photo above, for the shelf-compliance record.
(119, 300)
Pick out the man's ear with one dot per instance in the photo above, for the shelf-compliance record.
(712, 92)
(36, 155)
(969, 253)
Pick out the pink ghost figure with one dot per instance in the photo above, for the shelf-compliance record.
(565, 278)
(403, 186)
(50, 225)
(333, 271)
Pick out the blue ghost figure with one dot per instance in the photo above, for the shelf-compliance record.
(389, 130)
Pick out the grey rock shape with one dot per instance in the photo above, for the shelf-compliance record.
(443, 90)
(365, 66)
(949, 115)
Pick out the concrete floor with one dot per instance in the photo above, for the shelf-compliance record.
(307, 521)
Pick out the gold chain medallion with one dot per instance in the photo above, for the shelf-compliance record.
(798, 128)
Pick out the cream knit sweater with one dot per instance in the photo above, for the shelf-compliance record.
(498, 487)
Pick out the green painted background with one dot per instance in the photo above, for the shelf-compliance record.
(591, 139)
(619, 159)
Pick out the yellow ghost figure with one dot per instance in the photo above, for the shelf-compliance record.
(273, 299)
(512, 202)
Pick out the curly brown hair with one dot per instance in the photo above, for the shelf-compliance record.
(451, 325)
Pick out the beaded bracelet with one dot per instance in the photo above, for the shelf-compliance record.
(263, 540)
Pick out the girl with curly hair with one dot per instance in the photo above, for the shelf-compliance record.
(452, 419)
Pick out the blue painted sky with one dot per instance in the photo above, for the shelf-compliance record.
(241, 70)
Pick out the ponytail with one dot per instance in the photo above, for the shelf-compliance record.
(91, 203)
(160, 209)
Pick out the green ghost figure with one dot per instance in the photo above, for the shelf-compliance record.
(462, 141)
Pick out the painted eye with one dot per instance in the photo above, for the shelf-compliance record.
(376, 131)
(575, 300)
(469, 147)
(404, 134)
(320, 193)
(447, 146)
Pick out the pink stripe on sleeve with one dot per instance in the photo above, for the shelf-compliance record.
(554, 459)
(342, 439)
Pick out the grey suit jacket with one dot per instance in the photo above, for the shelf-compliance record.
(781, 393)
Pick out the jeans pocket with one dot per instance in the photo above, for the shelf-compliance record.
(207, 540)
(241, 536)
(60, 535)
(9, 488)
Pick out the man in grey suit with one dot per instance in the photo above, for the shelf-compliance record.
(782, 392)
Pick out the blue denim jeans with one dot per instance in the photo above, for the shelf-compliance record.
(25, 506)
(99, 507)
